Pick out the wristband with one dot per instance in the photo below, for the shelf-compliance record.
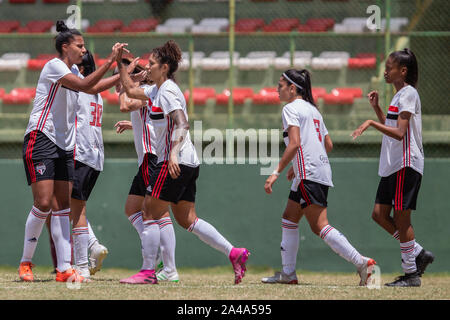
(275, 172)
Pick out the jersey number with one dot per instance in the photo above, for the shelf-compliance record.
(317, 125)
(96, 115)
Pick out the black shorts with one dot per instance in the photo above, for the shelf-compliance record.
(142, 178)
(400, 189)
(84, 180)
(44, 160)
(163, 187)
(310, 192)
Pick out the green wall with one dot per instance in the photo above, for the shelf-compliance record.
(232, 198)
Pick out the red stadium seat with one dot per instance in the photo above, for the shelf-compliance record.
(338, 98)
(9, 26)
(2, 93)
(239, 96)
(19, 96)
(266, 96)
(55, 1)
(141, 25)
(36, 26)
(362, 63)
(355, 92)
(248, 25)
(200, 95)
(282, 25)
(106, 26)
(112, 98)
(318, 92)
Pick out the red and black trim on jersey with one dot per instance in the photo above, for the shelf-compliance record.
(48, 105)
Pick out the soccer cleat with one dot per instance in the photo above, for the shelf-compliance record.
(142, 277)
(70, 275)
(238, 258)
(163, 275)
(423, 260)
(281, 277)
(97, 255)
(84, 272)
(408, 280)
(25, 272)
(365, 271)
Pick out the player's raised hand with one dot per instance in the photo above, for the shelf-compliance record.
(373, 98)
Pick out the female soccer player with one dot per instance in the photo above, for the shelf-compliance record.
(145, 141)
(48, 148)
(401, 163)
(307, 144)
(174, 180)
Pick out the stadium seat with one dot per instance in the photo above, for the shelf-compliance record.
(2, 93)
(282, 25)
(112, 98)
(318, 92)
(257, 60)
(302, 59)
(38, 63)
(141, 25)
(330, 60)
(36, 26)
(106, 26)
(210, 25)
(266, 96)
(355, 92)
(200, 95)
(248, 25)
(175, 25)
(196, 60)
(362, 63)
(219, 60)
(19, 96)
(13, 61)
(338, 98)
(239, 96)
(9, 26)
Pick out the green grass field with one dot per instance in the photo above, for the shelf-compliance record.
(217, 284)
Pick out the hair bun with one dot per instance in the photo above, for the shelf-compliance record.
(61, 26)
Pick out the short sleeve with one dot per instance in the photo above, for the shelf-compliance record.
(408, 101)
(55, 69)
(147, 91)
(289, 118)
(323, 128)
(170, 102)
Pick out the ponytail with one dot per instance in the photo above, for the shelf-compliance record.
(302, 81)
(170, 53)
(65, 35)
(406, 58)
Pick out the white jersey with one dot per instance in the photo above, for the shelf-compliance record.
(165, 100)
(55, 106)
(89, 140)
(311, 160)
(136, 122)
(408, 152)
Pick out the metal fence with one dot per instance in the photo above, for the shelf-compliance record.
(343, 43)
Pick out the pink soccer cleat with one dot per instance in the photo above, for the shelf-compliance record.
(142, 277)
(238, 258)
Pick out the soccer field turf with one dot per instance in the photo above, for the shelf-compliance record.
(217, 284)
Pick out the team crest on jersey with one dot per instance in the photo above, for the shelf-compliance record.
(41, 168)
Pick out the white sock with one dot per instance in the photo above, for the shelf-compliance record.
(408, 258)
(339, 243)
(92, 238)
(33, 228)
(168, 242)
(417, 246)
(80, 245)
(209, 235)
(136, 221)
(138, 224)
(289, 245)
(60, 227)
(150, 243)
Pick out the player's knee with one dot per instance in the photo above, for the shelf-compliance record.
(43, 204)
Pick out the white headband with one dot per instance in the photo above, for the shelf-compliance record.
(295, 84)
